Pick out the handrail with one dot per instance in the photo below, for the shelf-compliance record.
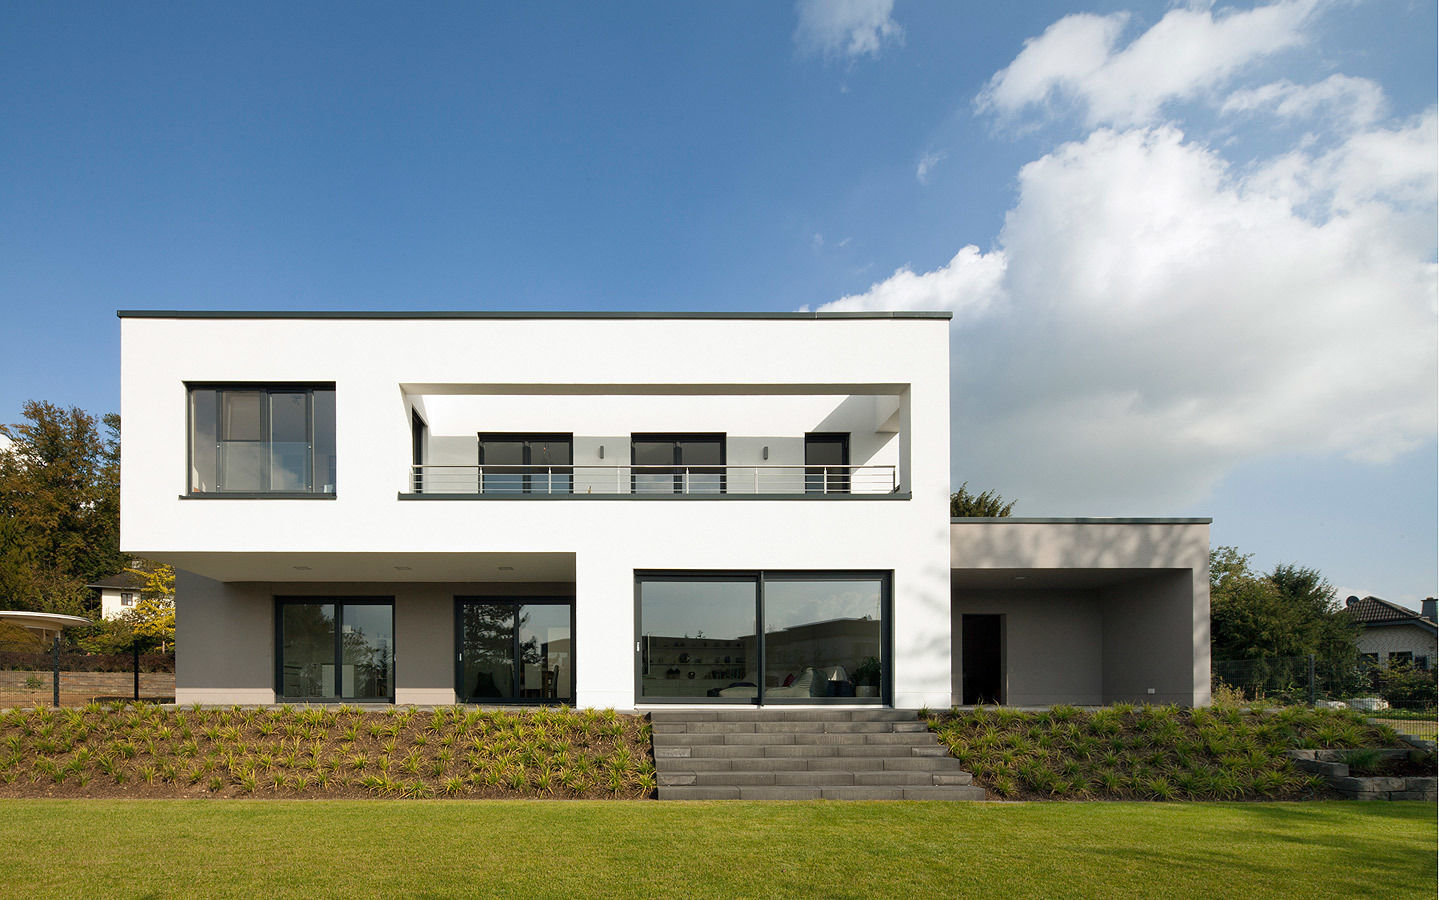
(648, 479)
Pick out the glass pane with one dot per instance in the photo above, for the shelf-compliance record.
(307, 650)
(367, 670)
(828, 452)
(650, 453)
(487, 651)
(324, 440)
(503, 462)
(289, 418)
(697, 639)
(242, 466)
(289, 467)
(546, 664)
(202, 440)
(702, 452)
(240, 415)
(822, 638)
(550, 471)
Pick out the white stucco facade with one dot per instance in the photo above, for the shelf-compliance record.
(761, 382)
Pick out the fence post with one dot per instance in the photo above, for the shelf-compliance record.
(1312, 696)
(55, 680)
(135, 649)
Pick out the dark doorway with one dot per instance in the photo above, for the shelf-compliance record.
(982, 659)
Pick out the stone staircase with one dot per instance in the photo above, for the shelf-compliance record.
(803, 754)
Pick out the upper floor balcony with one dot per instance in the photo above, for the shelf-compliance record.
(653, 444)
(538, 481)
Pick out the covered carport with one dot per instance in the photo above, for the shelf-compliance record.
(1082, 611)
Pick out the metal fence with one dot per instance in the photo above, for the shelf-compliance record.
(1400, 696)
(65, 676)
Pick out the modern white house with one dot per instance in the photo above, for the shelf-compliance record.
(617, 510)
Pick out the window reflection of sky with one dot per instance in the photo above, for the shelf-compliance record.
(725, 610)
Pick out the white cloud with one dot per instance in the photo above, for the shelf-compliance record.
(1188, 52)
(1358, 100)
(968, 285)
(846, 29)
(1154, 316)
(926, 165)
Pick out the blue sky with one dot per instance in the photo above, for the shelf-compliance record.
(1190, 248)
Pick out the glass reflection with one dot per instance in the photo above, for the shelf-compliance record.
(697, 639)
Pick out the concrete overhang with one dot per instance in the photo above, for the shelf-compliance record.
(376, 567)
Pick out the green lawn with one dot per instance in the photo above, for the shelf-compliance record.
(377, 848)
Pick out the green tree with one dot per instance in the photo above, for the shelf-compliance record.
(59, 508)
(963, 504)
(1290, 612)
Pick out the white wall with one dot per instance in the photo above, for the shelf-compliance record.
(375, 364)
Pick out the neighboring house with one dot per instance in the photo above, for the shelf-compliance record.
(1392, 633)
(617, 510)
(120, 593)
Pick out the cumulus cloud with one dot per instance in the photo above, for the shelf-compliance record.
(1154, 314)
(926, 165)
(968, 285)
(846, 29)
(1188, 52)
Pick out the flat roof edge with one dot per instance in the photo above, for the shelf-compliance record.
(1082, 520)
(510, 314)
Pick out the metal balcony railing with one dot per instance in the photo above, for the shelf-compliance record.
(652, 480)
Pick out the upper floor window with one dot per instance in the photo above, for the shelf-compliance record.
(127, 599)
(526, 463)
(262, 439)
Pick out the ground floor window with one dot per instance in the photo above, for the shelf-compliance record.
(514, 650)
(335, 648)
(763, 637)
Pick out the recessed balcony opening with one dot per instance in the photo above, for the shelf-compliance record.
(656, 442)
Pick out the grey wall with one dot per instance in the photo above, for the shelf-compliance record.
(1053, 644)
(224, 643)
(1150, 642)
(225, 634)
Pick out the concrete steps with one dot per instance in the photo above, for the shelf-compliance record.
(803, 754)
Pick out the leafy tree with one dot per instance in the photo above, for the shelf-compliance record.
(1289, 612)
(152, 620)
(963, 504)
(59, 507)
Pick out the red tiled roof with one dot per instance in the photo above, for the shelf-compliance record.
(1372, 610)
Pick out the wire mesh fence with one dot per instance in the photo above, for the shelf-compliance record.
(1400, 696)
(65, 675)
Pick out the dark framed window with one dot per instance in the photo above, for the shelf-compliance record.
(515, 650)
(419, 433)
(677, 463)
(335, 648)
(826, 460)
(763, 637)
(262, 439)
(526, 463)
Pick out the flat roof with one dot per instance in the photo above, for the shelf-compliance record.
(508, 314)
(1082, 520)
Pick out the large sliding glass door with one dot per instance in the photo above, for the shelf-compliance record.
(763, 637)
(514, 650)
(335, 648)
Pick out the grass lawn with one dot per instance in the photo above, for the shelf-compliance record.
(382, 848)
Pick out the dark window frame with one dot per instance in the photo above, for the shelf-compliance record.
(760, 576)
(419, 440)
(829, 482)
(309, 388)
(461, 696)
(339, 602)
(718, 437)
(529, 479)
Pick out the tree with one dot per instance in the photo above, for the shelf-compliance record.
(1289, 612)
(59, 507)
(152, 620)
(963, 504)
